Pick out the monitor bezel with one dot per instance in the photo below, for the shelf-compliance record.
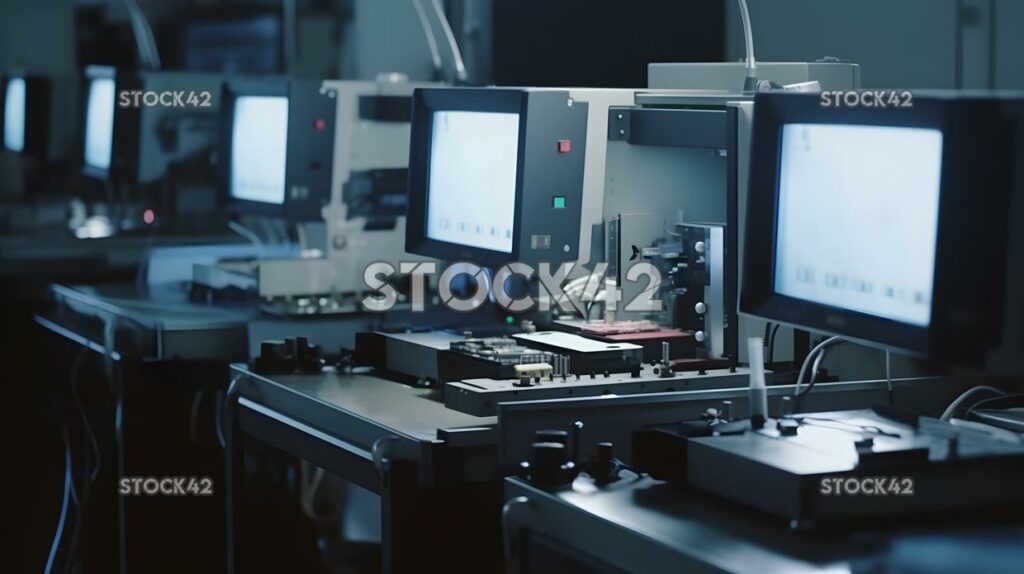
(974, 156)
(425, 103)
(231, 90)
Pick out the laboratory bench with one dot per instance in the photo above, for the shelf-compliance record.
(434, 469)
(642, 525)
(146, 371)
(156, 363)
(438, 471)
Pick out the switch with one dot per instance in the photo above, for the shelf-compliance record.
(564, 146)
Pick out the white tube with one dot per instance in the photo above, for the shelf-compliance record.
(758, 392)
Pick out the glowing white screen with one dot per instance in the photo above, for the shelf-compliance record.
(99, 123)
(14, 115)
(858, 216)
(259, 135)
(472, 188)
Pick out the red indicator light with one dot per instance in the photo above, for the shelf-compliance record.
(148, 216)
(320, 123)
(564, 146)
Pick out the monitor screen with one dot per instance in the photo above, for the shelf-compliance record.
(14, 115)
(472, 179)
(259, 134)
(858, 218)
(99, 123)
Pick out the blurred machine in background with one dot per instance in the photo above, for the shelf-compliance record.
(147, 144)
(330, 157)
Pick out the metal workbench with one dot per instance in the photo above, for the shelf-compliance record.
(156, 366)
(642, 525)
(434, 469)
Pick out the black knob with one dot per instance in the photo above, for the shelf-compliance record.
(547, 455)
(307, 357)
(559, 436)
(274, 349)
(604, 468)
(274, 359)
(549, 464)
(788, 427)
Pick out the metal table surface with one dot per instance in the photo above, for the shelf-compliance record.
(22, 251)
(361, 413)
(165, 324)
(646, 525)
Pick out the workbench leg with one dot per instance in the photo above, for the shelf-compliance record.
(232, 470)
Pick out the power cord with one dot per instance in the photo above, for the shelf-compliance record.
(58, 535)
(959, 401)
(812, 358)
(967, 415)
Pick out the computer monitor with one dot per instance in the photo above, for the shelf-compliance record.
(26, 114)
(881, 225)
(496, 175)
(135, 125)
(98, 113)
(14, 115)
(277, 147)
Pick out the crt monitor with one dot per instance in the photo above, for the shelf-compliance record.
(879, 224)
(495, 175)
(25, 113)
(255, 130)
(98, 120)
(276, 149)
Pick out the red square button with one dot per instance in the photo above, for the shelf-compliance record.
(564, 146)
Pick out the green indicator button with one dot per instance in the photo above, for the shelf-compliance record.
(558, 202)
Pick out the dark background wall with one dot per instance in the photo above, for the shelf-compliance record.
(605, 43)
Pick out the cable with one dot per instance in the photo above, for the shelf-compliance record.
(246, 233)
(59, 534)
(771, 343)
(79, 517)
(143, 32)
(808, 360)
(81, 412)
(460, 66)
(435, 54)
(953, 406)
(309, 496)
(967, 415)
(750, 81)
(817, 365)
(816, 421)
